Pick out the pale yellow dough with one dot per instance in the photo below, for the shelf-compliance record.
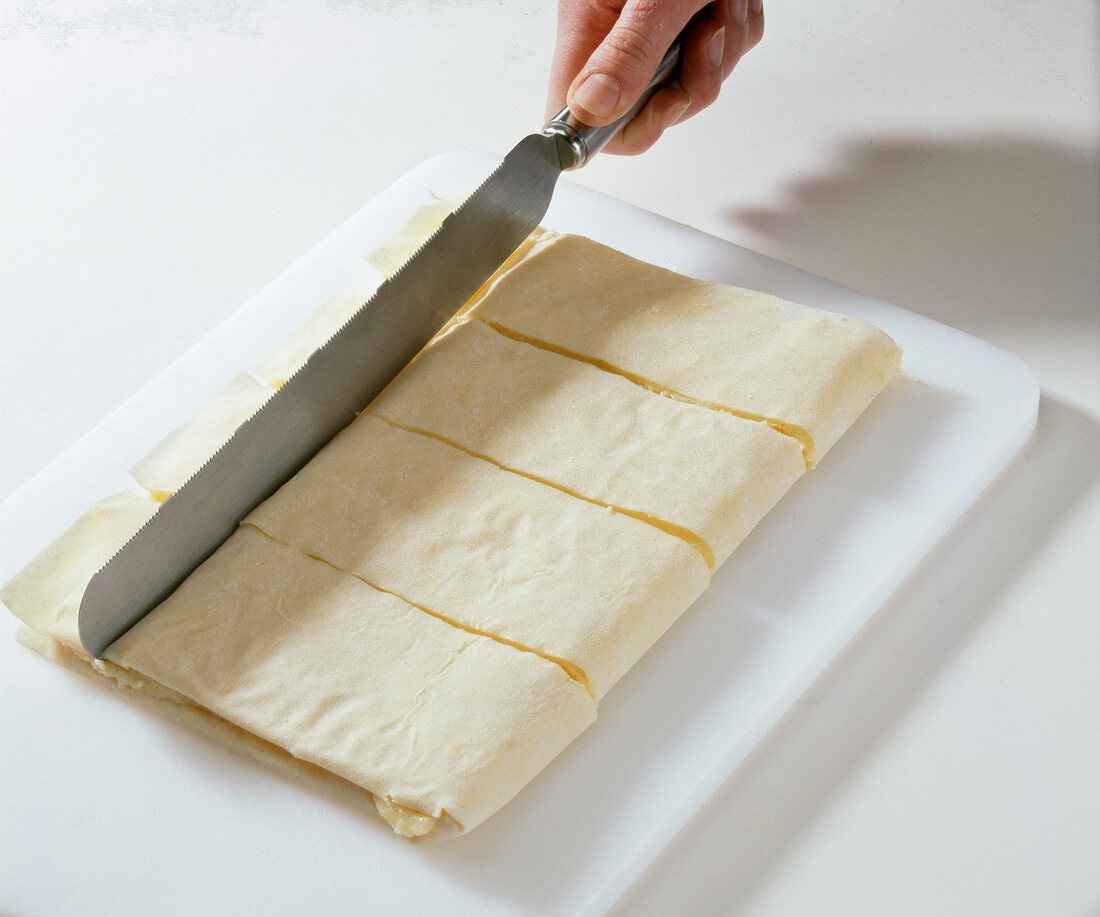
(291, 354)
(166, 468)
(488, 549)
(704, 475)
(428, 613)
(420, 713)
(810, 372)
(392, 254)
(352, 691)
(45, 594)
(191, 716)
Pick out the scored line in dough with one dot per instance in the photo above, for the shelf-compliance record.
(571, 669)
(801, 436)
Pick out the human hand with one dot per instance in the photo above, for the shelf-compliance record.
(607, 51)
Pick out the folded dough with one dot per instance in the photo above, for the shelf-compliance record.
(490, 550)
(315, 674)
(809, 372)
(297, 347)
(707, 476)
(178, 709)
(429, 611)
(358, 681)
(392, 254)
(166, 468)
(45, 594)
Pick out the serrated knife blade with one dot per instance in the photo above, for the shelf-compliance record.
(343, 376)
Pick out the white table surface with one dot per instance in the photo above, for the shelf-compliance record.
(161, 161)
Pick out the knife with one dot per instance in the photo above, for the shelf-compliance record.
(345, 374)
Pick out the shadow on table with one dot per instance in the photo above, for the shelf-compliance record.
(720, 858)
(991, 232)
(984, 232)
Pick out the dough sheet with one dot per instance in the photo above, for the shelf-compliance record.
(392, 254)
(166, 468)
(809, 372)
(293, 351)
(705, 475)
(350, 690)
(179, 709)
(45, 594)
(429, 612)
(489, 550)
(420, 713)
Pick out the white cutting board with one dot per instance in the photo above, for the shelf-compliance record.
(106, 809)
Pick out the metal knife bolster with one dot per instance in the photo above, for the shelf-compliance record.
(586, 141)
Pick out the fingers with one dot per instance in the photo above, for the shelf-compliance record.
(613, 47)
(624, 62)
(712, 48)
(667, 107)
(582, 26)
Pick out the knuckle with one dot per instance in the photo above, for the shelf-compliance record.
(706, 96)
(647, 9)
(756, 30)
(632, 47)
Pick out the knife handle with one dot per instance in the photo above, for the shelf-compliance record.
(586, 141)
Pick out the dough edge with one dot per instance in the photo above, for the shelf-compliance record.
(416, 826)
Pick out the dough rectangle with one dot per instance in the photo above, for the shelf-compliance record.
(490, 550)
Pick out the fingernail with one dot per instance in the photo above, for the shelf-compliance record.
(717, 48)
(758, 6)
(739, 10)
(598, 94)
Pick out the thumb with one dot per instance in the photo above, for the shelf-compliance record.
(620, 68)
